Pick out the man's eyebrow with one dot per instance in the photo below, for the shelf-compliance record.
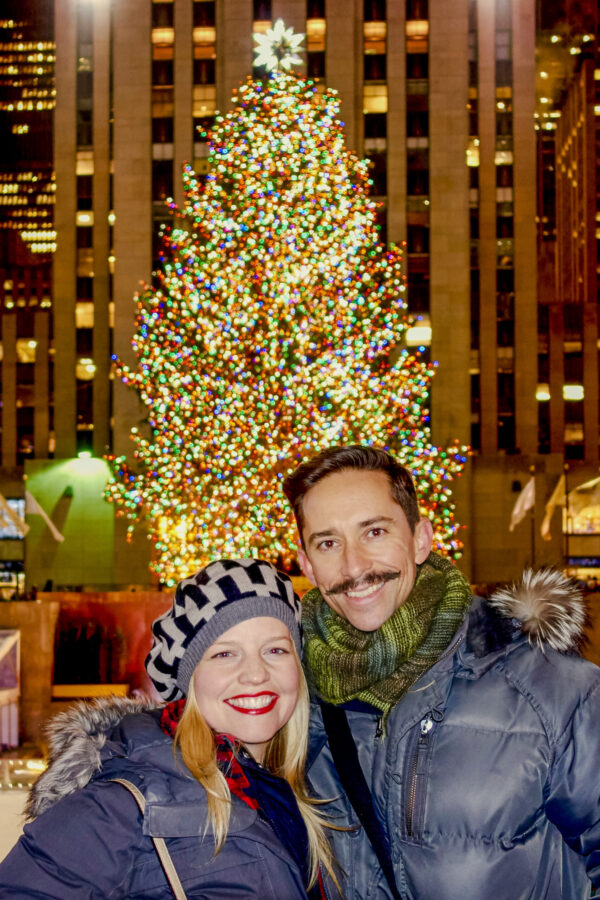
(330, 532)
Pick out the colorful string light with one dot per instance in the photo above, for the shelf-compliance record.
(274, 329)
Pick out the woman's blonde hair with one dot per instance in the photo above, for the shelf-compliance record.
(285, 756)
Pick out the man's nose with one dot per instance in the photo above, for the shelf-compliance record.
(355, 561)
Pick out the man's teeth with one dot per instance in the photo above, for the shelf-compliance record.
(364, 592)
(252, 702)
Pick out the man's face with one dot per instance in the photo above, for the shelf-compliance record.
(358, 546)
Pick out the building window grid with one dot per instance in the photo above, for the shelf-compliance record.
(375, 100)
(316, 38)
(417, 139)
(505, 333)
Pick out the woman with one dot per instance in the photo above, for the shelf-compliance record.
(218, 770)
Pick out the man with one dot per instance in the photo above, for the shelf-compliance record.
(473, 751)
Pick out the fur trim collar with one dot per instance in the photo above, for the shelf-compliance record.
(75, 739)
(550, 609)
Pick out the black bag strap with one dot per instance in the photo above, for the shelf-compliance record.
(345, 757)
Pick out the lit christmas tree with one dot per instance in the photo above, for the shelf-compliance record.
(276, 328)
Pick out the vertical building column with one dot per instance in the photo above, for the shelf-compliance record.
(101, 208)
(396, 122)
(556, 351)
(590, 381)
(234, 48)
(41, 386)
(132, 192)
(524, 200)
(344, 65)
(486, 105)
(183, 144)
(449, 219)
(65, 260)
(9, 389)
(293, 13)
(591, 375)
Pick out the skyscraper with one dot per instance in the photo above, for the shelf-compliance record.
(442, 99)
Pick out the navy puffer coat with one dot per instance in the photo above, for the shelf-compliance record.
(92, 844)
(487, 779)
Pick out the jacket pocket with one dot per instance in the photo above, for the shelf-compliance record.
(416, 774)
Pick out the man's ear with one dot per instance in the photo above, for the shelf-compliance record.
(305, 564)
(423, 539)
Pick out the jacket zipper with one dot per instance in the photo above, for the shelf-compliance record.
(422, 746)
(416, 769)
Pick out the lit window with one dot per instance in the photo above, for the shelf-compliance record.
(204, 35)
(84, 218)
(419, 334)
(85, 369)
(84, 314)
(26, 350)
(204, 98)
(315, 35)
(375, 98)
(473, 152)
(85, 163)
(572, 392)
(542, 392)
(417, 28)
(503, 158)
(163, 35)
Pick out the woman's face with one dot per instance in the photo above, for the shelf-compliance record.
(246, 684)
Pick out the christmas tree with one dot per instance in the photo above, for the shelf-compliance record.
(275, 328)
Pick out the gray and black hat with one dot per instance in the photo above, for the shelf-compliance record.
(206, 605)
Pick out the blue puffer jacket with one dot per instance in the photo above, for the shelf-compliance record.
(487, 780)
(91, 844)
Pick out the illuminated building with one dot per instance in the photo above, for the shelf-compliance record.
(441, 98)
(27, 236)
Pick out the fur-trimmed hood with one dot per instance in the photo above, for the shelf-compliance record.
(549, 608)
(75, 741)
(545, 606)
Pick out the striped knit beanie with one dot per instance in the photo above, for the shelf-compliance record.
(206, 605)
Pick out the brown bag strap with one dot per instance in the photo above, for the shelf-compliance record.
(159, 843)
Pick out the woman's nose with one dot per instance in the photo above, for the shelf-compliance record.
(255, 670)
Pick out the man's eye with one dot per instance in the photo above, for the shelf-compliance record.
(326, 545)
(376, 532)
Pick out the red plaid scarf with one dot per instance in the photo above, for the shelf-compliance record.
(232, 770)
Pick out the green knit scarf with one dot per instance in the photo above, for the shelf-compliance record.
(344, 663)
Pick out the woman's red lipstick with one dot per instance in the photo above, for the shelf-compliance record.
(253, 704)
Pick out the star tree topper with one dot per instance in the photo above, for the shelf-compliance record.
(277, 48)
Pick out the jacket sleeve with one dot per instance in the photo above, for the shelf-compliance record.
(573, 803)
(80, 849)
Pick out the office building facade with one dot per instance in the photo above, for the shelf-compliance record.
(441, 98)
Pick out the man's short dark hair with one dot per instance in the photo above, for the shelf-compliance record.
(359, 457)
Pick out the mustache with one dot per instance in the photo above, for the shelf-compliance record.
(352, 584)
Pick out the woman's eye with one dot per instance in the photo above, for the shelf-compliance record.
(222, 654)
(277, 650)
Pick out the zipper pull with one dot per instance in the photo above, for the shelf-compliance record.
(379, 728)
(426, 725)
